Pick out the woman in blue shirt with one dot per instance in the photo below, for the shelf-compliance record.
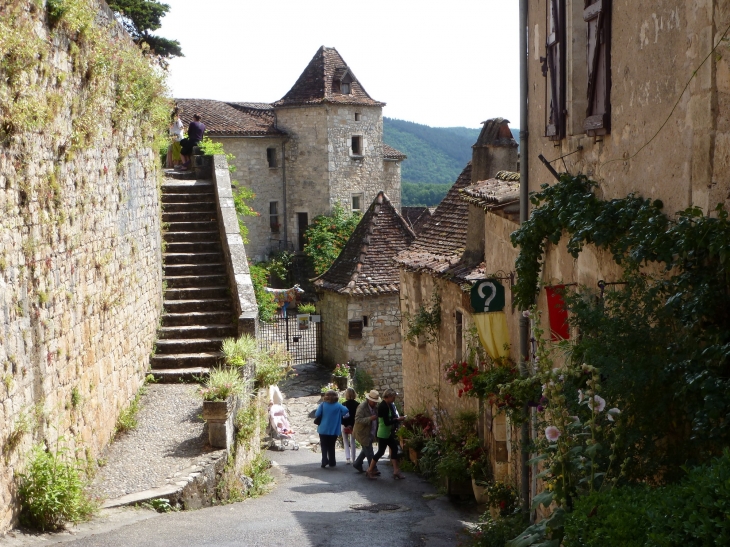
(331, 412)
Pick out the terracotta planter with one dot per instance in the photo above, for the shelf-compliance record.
(480, 492)
(340, 382)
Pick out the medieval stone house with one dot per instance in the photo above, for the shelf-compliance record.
(447, 258)
(359, 296)
(318, 146)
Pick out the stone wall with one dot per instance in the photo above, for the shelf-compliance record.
(391, 182)
(80, 269)
(253, 171)
(423, 380)
(379, 351)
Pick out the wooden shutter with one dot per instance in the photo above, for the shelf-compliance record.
(354, 330)
(597, 15)
(556, 70)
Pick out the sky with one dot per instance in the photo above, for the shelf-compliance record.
(440, 63)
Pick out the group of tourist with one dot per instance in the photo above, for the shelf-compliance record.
(373, 420)
(181, 147)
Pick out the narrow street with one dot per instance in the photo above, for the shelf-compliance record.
(307, 507)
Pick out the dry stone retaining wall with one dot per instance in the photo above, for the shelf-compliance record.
(80, 272)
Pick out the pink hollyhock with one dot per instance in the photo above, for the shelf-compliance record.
(552, 433)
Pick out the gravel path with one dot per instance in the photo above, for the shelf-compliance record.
(169, 437)
(302, 395)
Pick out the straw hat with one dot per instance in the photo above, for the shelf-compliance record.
(373, 396)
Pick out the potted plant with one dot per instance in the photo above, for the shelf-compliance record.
(340, 376)
(481, 474)
(325, 388)
(454, 468)
(219, 393)
(502, 498)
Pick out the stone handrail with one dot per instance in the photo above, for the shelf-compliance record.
(239, 277)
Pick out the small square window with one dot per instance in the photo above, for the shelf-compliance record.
(274, 217)
(271, 157)
(357, 202)
(357, 116)
(345, 88)
(356, 145)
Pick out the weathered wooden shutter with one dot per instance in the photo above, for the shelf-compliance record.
(597, 15)
(556, 70)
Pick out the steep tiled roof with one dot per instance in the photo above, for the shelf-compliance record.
(504, 188)
(442, 241)
(390, 153)
(365, 265)
(230, 119)
(416, 217)
(319, 83)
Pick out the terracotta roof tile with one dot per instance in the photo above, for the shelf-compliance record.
(391, 153)
(504, 188)
(319, 83)
(365, 265)
(416, 217)
(230, 119)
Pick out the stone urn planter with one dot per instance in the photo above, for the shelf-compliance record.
(219, 417)
(480, 492)
(340, 382)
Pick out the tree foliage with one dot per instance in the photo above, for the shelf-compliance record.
(423, 195)
(140, 18)
(327, 235)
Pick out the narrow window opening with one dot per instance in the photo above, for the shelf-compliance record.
(303, 224)
(357, 146)
(459, 336)
(345, 88)
(364, 320)
(271, 157)
(357, 202)
(274, 217)
(357, 116)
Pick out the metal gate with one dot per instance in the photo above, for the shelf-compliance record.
(303, 339)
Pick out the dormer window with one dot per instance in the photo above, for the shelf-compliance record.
(345, 88)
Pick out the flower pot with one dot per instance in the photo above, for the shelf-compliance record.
(480, 492)
(303, 321)
(340, 382)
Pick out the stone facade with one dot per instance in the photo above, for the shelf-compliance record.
(378, 351)
(80, 279)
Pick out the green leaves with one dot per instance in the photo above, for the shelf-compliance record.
(543, 498)
(327, 235)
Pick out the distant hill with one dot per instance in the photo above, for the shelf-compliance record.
(436, 156)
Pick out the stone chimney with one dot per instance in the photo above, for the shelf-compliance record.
(494, 151)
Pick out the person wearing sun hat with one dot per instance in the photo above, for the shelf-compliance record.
(366, 427)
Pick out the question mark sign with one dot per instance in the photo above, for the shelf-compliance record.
(491, 296)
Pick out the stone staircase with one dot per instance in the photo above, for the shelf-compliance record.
(198, 309)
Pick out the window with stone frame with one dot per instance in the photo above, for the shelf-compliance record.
(357, 202)
(356, 146)
(271, 157)
(597, 16)
(274, 217)
(357, 116)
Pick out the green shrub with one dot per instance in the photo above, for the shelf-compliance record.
(221, 384)
(266, 303)
(272, 366)
(248, 419)
(363, 382)
(128, 417)
(491, 532)
(306, 308)
(327, 235)
(237, 352)
(51, 491)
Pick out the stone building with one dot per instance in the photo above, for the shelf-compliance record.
(318, 146)
(447, 257)
(359, 296)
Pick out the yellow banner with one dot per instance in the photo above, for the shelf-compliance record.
(493, 333)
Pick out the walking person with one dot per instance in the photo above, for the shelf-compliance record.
(366, 427)
(196, 130)
(331, 412)
(386, 435)
(348, 423)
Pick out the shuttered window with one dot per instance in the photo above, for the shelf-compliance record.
(555, 61)
(597, 15)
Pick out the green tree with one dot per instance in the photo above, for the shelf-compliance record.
(139, 18)
(326, 237)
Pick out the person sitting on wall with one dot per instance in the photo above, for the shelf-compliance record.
(196, 129)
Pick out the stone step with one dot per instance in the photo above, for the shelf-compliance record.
(197, 293)
(174, 174)
(190, 281)
(192, 206)
(208, 304)
(186, 360)
(196, 226)
(194, 247)
(194, 269)
(201, 197)
(189, 216)
(196, 331)
(188, 237)
(193, 375)
(194, 345)
(191, 258)
(187, 187)
(193, 318)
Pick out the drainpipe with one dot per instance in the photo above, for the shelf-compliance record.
(524, 213)
(283, 179)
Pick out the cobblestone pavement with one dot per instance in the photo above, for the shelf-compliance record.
(302, 394)
(170, 436)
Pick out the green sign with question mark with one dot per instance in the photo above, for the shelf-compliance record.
(487, 296)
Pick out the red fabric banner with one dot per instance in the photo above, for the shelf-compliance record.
(557, 314)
